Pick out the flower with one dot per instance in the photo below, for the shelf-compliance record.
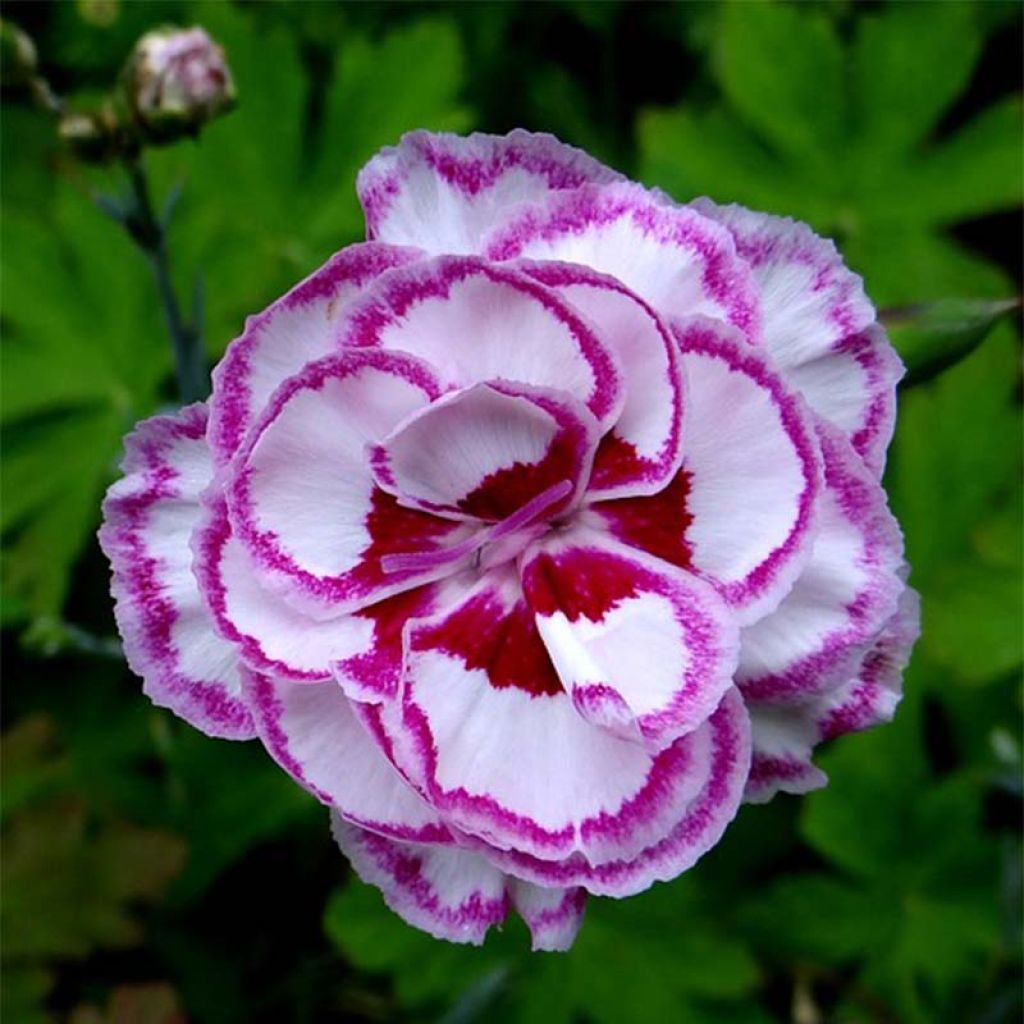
(177, 80)
(532, 535)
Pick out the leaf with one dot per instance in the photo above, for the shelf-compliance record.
(252, 801)
(85, 352)
(934, 336)
(23, 994)
(896, 105)
(922, 917)
(690, 154)
(973, 621)
(83, 356)
(840, 134)
(68, 890)
(802, 110)
(815, 916)
(29, 764)
(654, 957)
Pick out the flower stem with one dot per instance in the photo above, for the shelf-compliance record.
(150, 234)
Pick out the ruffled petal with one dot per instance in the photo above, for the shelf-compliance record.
(848, 590)
(741, 511)
(782, 741)
(819, 325)
(168, 636)
(301, 495)
(644, 649)
(488, 451)
(873, 695)
(697, 828)
(317, 735)
(682, 263)
(442, 192)
(855, 387)
(297, 329)
(554, 916)
(784, 736)
(481, 695)
(475, 321)
(268, 633)
(446, 891)
(642, 452)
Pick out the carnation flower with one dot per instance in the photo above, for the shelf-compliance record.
(533, 535)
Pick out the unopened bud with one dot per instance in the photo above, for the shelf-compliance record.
(17, 55)
(177, 80)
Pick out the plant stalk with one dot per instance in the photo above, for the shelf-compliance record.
(150, 234)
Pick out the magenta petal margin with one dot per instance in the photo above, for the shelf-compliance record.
(532, 536)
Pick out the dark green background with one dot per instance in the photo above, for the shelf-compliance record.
(151, 874)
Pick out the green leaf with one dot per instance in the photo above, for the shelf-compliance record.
(896, 103)
(23, 994)
(658, 956)
(68, 889)
(28, 763)
(690, 154)
(782, 69)
(972, 624)
(815, 917)
(979, 170)
(252, 801)
(59, 505)
(937, 335)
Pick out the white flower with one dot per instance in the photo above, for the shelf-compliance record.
(531, 535)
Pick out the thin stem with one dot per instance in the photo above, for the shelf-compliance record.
(150, 234)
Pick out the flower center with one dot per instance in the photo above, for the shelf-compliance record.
(488, 547)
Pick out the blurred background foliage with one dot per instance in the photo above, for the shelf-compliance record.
(152, 875)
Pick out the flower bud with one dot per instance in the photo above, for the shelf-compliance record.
(177, 80)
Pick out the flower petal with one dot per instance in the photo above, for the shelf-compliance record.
(317, 735)
(446, 891)
(854, 386)
(442, 192)
(168, 636)
(637, 643)
(695, 831)
(819, 325)
(847, 591)
(782, 741)
(872, 697)
(475, 321)
(681, 262)
(298, 328)
(643, 450)
(784, 736)
(481, 695)
(302, 499)
(486, 451)
(554, 916)
(741, 511)
(268, 633)
(754, 470)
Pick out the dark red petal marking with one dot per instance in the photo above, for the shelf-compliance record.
(379, 667)
(656, 524)
(579, 582)
(504, 643)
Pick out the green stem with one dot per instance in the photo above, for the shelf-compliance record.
(151, 237)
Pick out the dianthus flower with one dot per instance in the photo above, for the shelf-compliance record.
(532, 535)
